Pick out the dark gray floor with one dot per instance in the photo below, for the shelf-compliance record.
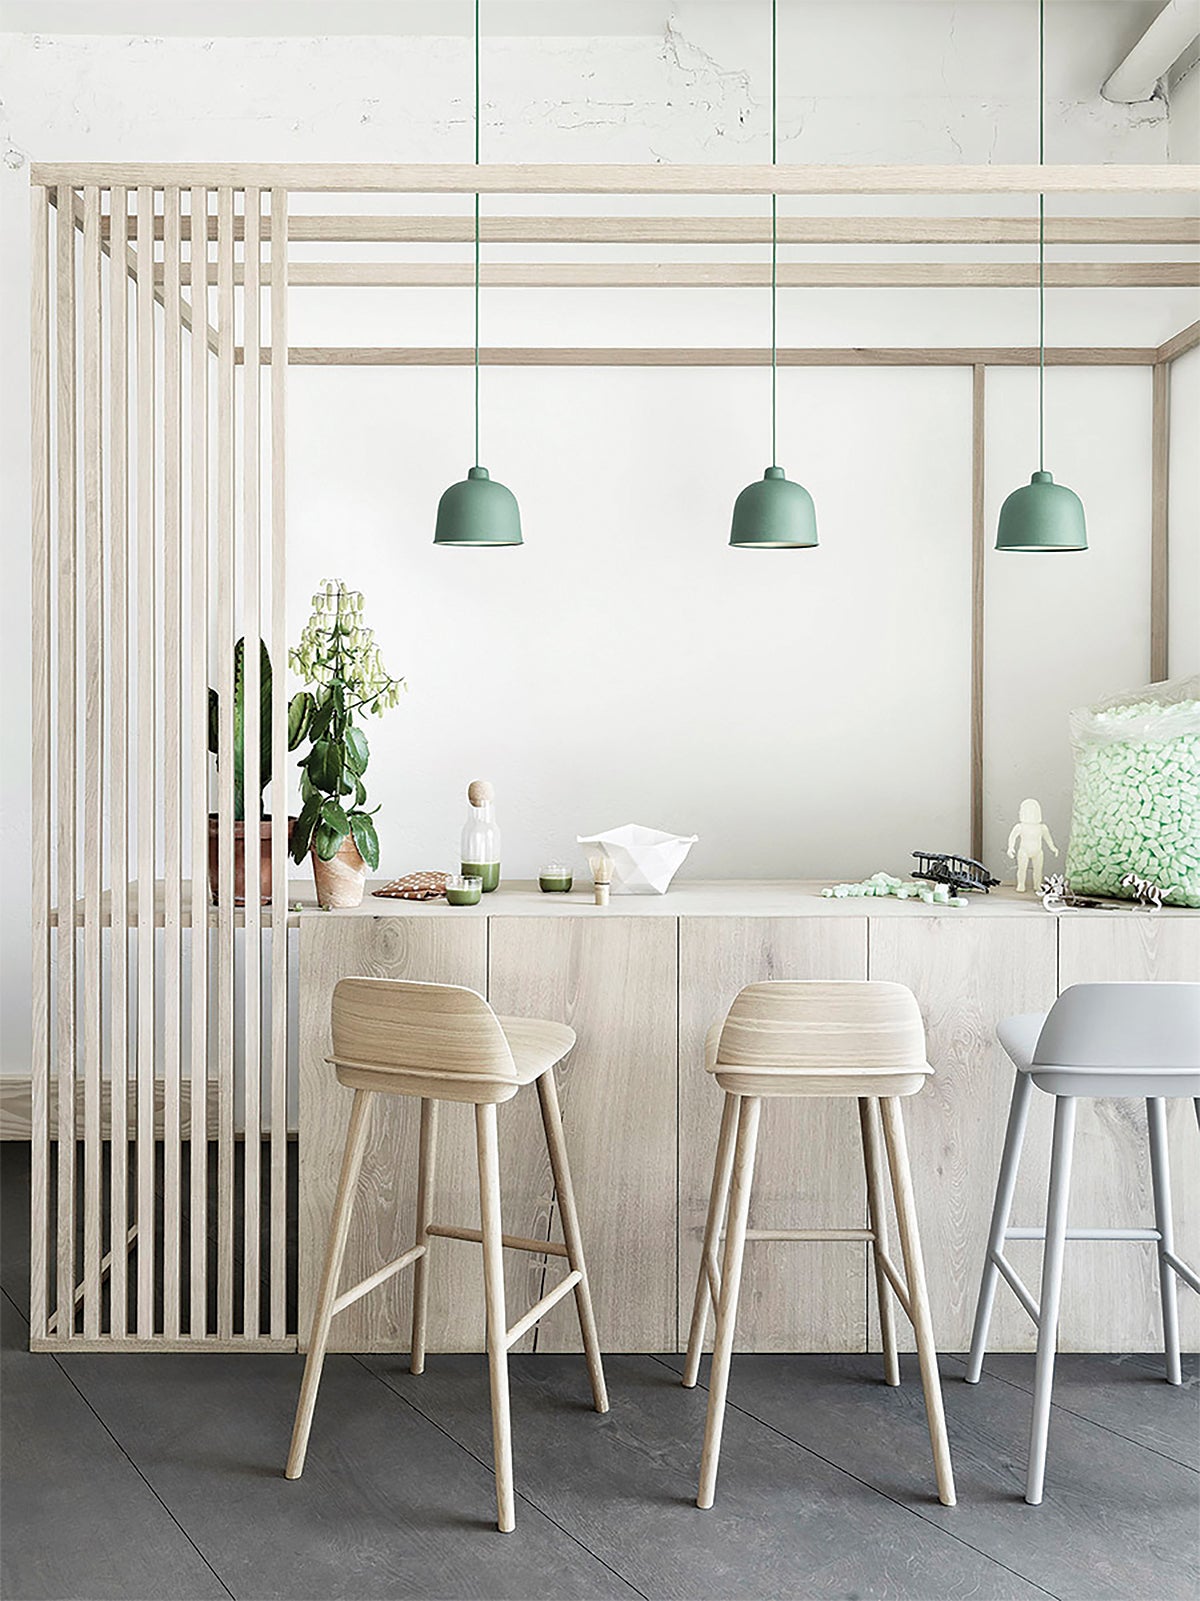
(159, 1476)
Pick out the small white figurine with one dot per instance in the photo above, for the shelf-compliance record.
(1025, 843)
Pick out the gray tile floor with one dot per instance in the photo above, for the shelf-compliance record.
(160, 1476)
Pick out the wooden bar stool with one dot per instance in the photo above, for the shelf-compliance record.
(816, 1038)
(444, 1043)
(1096, 1040)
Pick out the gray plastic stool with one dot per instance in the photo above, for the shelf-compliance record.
(1097, 1040)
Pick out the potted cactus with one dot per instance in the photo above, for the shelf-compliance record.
(338, 658)
(239, 769)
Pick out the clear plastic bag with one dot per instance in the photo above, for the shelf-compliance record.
(1136, 808)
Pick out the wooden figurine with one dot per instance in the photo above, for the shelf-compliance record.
(1025, 843)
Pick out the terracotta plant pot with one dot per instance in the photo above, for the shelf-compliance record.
(239, 859)
(341, 880)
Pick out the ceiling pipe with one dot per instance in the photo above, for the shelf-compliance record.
(1155, 53)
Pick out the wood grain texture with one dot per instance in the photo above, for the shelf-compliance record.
(665, 178)
(613, 980)
(1110, 1290)
(384, 1222)
(809, 1171)
(978, 566)
(1160, 497)
(966, 978)
(715, 356)
(1179, 344)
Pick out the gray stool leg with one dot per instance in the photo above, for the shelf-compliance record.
(1051, 1292)
(1006, 1183)
(1160, 1174)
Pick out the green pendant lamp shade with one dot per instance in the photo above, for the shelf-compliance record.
(774, 513)
(478, 511)
(1042, 515)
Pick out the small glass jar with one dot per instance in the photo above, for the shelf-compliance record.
(555, 879)
(463, 889)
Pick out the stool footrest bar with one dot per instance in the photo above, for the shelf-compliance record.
(1017, 1285)
(540, 1308)
(1187, 1274)
(374, 1280)
(514, 1242)
(1086, 1234)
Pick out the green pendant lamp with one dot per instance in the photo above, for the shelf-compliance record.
(1042, 515)
(774, 514)
(478, 511)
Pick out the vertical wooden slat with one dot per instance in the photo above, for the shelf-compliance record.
(252, 763)
(118, 757)
(172, 690)
(226, 335)
(1159, 500)
(40, 754)
(93, 771)
(198, 747)
(978, 549)
(147, 697)
(65, 991)
(279, 791)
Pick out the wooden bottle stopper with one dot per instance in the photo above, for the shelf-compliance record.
(480, 792)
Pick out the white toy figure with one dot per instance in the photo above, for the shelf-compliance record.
(1025, 843)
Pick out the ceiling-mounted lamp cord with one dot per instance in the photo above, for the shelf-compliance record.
(1041, 238)
(774, 237)
(477, 235)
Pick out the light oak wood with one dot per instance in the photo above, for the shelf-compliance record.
(65, 715)
(675, 356)
(198, 759)
(966, 979)
(745, 275)
(118, 799)
(1110, 1290)
(809, 1166)
(1179, 344)
(40, 743)
(426, 1167)
(129, 906)
(172, 758)
(402, 1025)
(613, 980)
(148, 689)
(750, 178)
(15, 1111)
(106, 1345)
(978, 610)
(91, 426)
(877, 1222)
(350, 228)
(497, 1323)
(278, 268)
(1160, 495)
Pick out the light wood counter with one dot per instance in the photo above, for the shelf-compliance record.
(640, 981)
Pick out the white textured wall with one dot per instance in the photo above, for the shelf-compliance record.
(803, 713)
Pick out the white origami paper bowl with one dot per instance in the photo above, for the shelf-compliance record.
(645, 860)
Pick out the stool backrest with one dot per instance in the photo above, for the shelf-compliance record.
(823, 1023)
(1122, 1025)
(425, 1028)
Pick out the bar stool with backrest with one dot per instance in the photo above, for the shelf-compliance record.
(837, 1038)
(1097, 1040)
(440, 1042)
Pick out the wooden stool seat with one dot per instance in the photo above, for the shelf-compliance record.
(784, 1037)
(440, 1042)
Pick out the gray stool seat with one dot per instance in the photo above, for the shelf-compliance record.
(1121, 1040)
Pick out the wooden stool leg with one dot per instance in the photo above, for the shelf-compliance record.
(749, 1110)
(868, 1115)
(718, 1199)
(556, 1147)
(1051, 1292)
(339, 1230)
(425, 1164)
(1164, 1222)
(1006, 1184)
(918, 1295)
(497, 1326)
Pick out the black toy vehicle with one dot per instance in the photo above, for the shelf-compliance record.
(959, 872)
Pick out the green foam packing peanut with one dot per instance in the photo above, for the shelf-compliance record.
(1137, 793)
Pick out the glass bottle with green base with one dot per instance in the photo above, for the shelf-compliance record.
(480, 856)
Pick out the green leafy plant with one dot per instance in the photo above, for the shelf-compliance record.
(239, 726)
(338, 658)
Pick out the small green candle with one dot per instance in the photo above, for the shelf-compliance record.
(463, 889)
(555, 879)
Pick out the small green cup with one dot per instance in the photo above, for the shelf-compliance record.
(463, 889)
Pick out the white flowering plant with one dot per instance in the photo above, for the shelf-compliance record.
(338, 658)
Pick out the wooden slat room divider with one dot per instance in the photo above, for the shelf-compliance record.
(160, 1050)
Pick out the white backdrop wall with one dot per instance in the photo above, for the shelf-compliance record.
(804, 713)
